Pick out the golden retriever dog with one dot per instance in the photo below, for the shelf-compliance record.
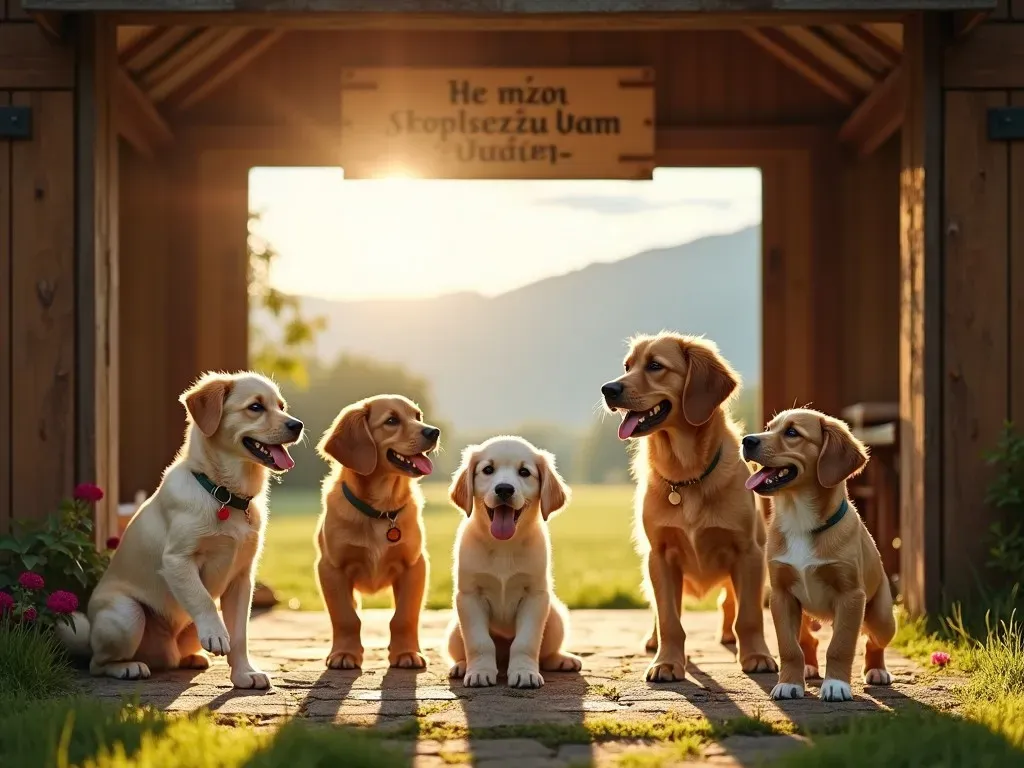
(822, 561)
(505, 604)
(370, 534)
(197, 539)
(697, 526)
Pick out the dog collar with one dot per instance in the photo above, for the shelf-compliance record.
(394, 534)
(838, 515)
(224, 497)
(673, 497)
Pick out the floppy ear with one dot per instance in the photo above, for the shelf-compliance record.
(204, 402)
(842, 455)
(460, 492)
(709, 382)
(349, 441)
(554, 493)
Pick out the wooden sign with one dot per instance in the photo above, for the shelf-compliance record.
(498, 123)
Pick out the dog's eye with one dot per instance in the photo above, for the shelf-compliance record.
(392, 421)
(488, 470)
(791, 432)
(524, 472)
(256, 407)
(654, 365)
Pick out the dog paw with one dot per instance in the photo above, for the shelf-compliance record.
(759, 662)
(835, 690)
(651, 644)
(194, 661)
(877, 677)
(344, 660)
(562, 662)
(811, 673)
(525, 677)
(250, 679)
(214, 638)
(787, 691)
(458, 670)
(666, 671)
(480, 677)
(412, 660)
(726, 638)
(125, 670)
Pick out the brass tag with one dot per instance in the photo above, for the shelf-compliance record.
(674, 498)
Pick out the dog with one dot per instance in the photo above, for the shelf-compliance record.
(505, 606)
(696, 526)
(197, 539)
(370, 533)
(822, 561)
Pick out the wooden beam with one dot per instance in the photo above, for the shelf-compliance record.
(54, 24)
(234, 62)
(878, 117)
(965, 21)
(872, 56)
(204, 50)
(801, 62)
(138, 120)
(146, 53)
(847, 68)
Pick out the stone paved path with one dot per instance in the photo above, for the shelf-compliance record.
(292, 645)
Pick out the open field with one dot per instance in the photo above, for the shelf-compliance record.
(594, 561)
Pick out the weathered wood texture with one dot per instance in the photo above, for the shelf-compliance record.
(5, 328)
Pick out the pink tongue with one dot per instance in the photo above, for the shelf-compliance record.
(628, 425)
(281, 457)
(503, 526)
(757, 478)
(422, 463)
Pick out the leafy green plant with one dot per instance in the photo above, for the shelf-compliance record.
(1006, 494)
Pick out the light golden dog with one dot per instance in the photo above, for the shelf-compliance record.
(821, 559)
(505, 605)
(196, 539)
(697, 527)
(370, 534)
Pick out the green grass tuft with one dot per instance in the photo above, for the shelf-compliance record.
(32, 663)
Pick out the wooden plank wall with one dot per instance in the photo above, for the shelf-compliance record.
(983, 295)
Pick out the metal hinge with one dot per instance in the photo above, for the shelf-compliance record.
(1006, 124)
(15, 122)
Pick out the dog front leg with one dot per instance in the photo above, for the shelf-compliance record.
(409, 589)
(524, 653)
(748, 576)
(182, 577)
(236, 605)
(787, 615)
(669, 663)
(849, 618)
(481, 655)
(340, 598)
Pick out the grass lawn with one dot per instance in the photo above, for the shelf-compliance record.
(595, 564)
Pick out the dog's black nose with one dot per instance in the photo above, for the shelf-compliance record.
(613, 390)
(294, 425)
(751, 441)
(431, 433)
(504, 491)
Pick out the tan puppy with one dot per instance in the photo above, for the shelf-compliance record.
(697, 527)
(505, 605)
(822, 561)
(196, 539)
(370, 534)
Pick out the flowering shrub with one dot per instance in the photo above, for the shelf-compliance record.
(50, 569)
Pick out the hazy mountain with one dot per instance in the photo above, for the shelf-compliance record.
(540, 353)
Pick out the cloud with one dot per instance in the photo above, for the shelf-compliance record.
(623, 204)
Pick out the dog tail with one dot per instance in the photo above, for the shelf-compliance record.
(75, 639)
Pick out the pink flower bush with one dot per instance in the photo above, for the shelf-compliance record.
(940, 658)
(6, 602)
(88, 492)
(29, 614)
(30, 580)
(62, 601)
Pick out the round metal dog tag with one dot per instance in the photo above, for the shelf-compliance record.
(394, 534)
(674, 498)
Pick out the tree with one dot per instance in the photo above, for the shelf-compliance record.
(283, 356)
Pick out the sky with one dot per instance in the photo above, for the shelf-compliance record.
(408, 238)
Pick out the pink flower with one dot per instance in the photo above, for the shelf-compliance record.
(940, 658)
(112, 542)
(88, 492)
(62, 602)
(6, 602)
(29, 614)
(30, 580)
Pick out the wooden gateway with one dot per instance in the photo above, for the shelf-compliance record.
(888, 133)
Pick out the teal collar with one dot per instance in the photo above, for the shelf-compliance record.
(225, 497)
(694, 480)
(838, 515)
(365, 508)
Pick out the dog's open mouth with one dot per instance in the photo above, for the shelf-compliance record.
(416, 465)
(273, 456)
(636, 423)
(769, 479)
(503, 521)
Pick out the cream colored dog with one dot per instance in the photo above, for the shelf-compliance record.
(196, 539)
(505, 605)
